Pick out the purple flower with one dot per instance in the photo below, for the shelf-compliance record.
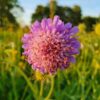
(50, 45)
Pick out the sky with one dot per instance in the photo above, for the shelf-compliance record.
(88, 7)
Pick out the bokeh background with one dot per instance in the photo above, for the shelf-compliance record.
(81, 81)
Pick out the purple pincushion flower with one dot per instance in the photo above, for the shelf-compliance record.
(50, 45)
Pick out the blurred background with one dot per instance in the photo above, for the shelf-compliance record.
(81, 81)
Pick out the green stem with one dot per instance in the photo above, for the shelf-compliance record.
(27, 79)
(26, 88)
(52, 8)
(14, 86)
(41, 89)
(51, 89)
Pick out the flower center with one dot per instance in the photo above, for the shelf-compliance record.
(51, 48)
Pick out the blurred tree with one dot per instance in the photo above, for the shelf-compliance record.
(6, 16)
(66, 13)
(77, 14)
(89, 22)
(40, 12)
(69, 14)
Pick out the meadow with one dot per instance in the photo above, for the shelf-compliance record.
(81, 81)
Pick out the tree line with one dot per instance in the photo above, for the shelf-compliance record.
(67, 14)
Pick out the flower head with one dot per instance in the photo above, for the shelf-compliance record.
(50, 45)
(97, 28)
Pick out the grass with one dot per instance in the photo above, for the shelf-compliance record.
(81, 81)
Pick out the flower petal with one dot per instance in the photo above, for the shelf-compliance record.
(74, 30)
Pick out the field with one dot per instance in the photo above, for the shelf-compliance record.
(81, 81)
